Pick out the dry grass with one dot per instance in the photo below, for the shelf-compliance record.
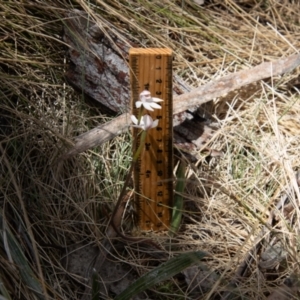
(47, 206)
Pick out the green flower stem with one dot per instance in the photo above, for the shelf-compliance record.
(128, 177)
(141, 146)
(178, 199)
(140, 114)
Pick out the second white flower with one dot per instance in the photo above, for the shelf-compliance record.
(145, 123)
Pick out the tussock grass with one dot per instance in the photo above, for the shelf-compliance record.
(48, 205)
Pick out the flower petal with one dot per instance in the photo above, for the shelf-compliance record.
(148, 106)
(157, 99)
(145, 93)
(147, 121)
(155, 123)
(155, 105)
(134, 119)
(138, 104)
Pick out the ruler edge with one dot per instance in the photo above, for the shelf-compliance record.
(169, 91)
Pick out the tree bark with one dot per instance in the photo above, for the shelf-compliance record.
(99, 69)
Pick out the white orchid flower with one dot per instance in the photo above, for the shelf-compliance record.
(146, 122)
(147, 101)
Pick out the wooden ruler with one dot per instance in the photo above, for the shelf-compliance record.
(151, 69)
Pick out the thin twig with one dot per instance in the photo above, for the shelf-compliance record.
(196, 97)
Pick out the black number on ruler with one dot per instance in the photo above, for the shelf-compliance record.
(158, 56)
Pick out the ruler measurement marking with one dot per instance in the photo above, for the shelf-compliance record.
(151, 69)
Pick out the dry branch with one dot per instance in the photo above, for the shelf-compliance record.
(233, 82)
(196, 97)
(99, 52)
(100, 134)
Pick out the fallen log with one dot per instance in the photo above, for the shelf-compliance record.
(99, 68)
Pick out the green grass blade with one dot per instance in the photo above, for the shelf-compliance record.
(95, 286)
(20, 260)
(4, 294)
(178, 199)
(161, 273)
